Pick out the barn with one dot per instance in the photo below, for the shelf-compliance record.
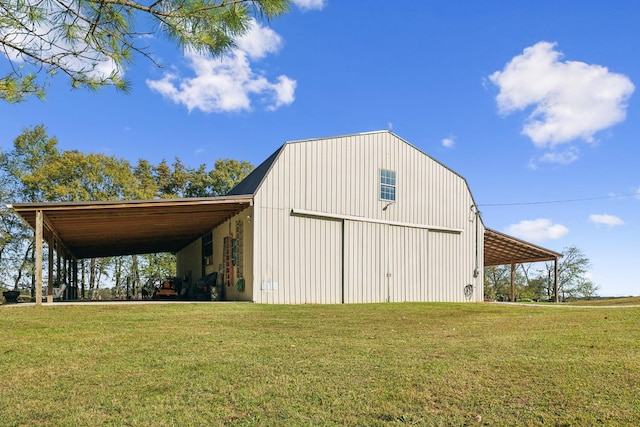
(350, 219)
(357, 218)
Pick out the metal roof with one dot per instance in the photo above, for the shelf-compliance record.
(249, 185)
(101, 229)
(502, 249)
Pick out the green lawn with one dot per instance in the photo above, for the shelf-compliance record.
(375, 364)
(609, 301)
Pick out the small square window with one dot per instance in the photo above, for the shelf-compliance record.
(387, 185)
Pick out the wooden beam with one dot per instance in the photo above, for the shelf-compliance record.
(502, 261)
(38, 251)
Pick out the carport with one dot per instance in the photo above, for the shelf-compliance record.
(80, 230)
(502, 249)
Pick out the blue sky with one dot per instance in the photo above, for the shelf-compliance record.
(533, 103)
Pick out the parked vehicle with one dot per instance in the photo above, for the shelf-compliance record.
(166, 290)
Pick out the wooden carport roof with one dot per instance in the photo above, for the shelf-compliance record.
(101, 229)
(502, 249)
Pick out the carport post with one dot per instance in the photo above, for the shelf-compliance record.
(38, 248)
(50, 276)
(75, 279)
(513, 282)
(555, 280)
(58, 267)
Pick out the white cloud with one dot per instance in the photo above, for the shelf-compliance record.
(310, 4)
(284, 92)
(562, 157)
(571, 100)
(259, 41)
(605, 219)
(228, 83)
(559, 157)
(448, 142)
(537, 230)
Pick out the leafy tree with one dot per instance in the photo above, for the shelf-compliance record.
(200, 183)
(75, 176)
(32, 149)
(146, 187)
(172, 180)
(586, 289)
(572, 270)
(92, 41)
(537, 283)
(497, 282)
(162, 174)
(226, 174)
(176, 180)
(14, 234)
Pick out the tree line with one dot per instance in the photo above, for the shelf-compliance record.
(36, 170)
(536, 283)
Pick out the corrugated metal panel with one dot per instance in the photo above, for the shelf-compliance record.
(363, 272)
(407, 264)
(341, 176)
(385, 263)
(447, 278)
(297, 260)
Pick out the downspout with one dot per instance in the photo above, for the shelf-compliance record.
(476, 212)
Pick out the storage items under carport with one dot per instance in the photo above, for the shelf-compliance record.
(207, 288)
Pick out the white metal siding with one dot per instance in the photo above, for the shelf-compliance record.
(301, 263)
(447, 279)
(341, 176)
(363, 273)
(385, 263)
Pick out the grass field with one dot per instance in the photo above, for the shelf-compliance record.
(608, 301)
(368, 365)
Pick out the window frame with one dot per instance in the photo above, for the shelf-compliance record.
(384, 181)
